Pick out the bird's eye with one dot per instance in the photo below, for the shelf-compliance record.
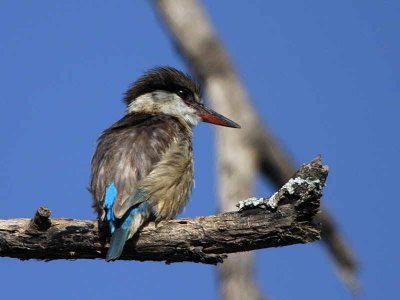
(184, 94)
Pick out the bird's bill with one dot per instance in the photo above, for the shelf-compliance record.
(210, 116)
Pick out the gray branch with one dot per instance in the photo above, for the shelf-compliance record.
(204, 239)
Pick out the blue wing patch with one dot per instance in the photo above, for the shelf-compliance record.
(111, 196)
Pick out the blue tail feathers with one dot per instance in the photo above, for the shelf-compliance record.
(124, 228)
(117, 244)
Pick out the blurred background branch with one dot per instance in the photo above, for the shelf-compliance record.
(242, 153)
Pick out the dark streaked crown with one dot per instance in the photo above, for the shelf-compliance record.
(163, 78)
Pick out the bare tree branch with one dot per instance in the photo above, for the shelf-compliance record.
(204, 239)
(255, 146)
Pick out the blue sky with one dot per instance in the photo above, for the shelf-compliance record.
(324, 75)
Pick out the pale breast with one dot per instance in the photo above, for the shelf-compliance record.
(170, 183)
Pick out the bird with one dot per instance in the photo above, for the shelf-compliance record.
(142, 168)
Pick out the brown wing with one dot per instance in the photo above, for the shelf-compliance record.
(126, 154)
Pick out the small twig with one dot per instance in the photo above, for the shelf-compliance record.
(41, 219)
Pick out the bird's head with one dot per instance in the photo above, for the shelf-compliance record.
(165, 90)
